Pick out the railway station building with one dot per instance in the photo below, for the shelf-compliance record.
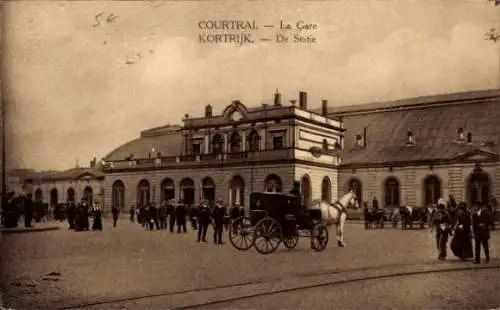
(405, 152)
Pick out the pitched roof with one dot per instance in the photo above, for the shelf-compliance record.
(433, 124)
(70, 174)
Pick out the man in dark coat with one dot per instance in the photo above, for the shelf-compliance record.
(375, 205)
(218, 216)
(162, 216)
(132, 214)
(204, 220)
(154, 215)
(10, 211)
(171, 215)
(180, 214)
(235, 214)
(193, 216)
(481, 231)
(116, 213)
(86, 213)
(442, 224)
(70, 213)
(28, 210)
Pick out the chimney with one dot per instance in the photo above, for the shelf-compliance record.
(208, 111)
(303, 100)
(277, 99)
(293, 102)
(469, 137)
(324, 107)
(93, 163)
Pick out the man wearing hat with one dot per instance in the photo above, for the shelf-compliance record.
(481, 231)
(204, 220)
(218, 215)
(442, 224)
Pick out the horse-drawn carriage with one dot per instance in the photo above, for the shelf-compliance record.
(275, 218)
(374, 218)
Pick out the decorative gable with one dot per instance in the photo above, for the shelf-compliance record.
(477, 155)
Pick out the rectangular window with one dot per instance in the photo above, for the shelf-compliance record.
(278, 142)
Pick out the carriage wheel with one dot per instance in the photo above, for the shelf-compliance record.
(319, 237)
(240, 233)
(267, 235)
(292, 240)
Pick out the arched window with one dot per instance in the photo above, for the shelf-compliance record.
(305, 190)
(118, 195)
(273, 183)
(167, 189)
(54, 197)
(357, 188)
(326, 189)
(254, 141)
(70, 194)
(236, 191)
(208, 189)
(88, 194)
(187, 191)
(143, 193)
(432, 190)
(478, 188)
(391, 190)
(218, 144)
(235, 142)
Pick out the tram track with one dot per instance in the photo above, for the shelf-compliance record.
(217, 294)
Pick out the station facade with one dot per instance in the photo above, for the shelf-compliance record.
(406, 152)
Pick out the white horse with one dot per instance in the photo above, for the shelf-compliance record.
(336, 213)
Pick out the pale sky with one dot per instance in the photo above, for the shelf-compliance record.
(71, 94)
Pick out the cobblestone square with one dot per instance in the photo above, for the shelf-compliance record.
(64, 268)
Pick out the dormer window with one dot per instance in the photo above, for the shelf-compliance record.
(325, 145)
(460, 133)
(359, 140)
(410, 136)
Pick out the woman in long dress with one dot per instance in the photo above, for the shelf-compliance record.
(461, 244)
(97, 212)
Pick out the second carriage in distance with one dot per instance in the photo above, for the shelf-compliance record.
(277, 218)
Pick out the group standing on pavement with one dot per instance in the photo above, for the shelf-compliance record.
(173, 216)
(463, 225)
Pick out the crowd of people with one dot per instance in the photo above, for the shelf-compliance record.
(464, 225)
(173, 216)
(79, 215)
(15, 206)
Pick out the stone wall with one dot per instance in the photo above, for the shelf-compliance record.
(411, 181)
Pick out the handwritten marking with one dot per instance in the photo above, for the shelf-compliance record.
(268, 26)
(97, 19)
(265, 39)
(109, 19)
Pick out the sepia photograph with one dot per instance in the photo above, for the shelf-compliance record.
(287, 154)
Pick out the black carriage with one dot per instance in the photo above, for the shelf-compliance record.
(275, 218)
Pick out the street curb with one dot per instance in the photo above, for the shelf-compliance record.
(8, 231)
